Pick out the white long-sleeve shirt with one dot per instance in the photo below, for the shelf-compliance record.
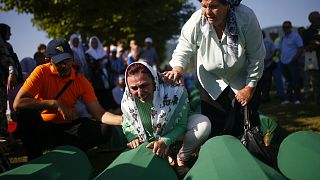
(216, 67)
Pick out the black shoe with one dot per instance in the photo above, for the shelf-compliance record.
(181, 171)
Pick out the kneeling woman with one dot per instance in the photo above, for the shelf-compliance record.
(159, 113)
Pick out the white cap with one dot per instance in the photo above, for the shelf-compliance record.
(121, 77)
(148, 40)
(113, 48)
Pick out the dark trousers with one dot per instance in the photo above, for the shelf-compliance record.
(38, 135)
(291, 74)
(266, 82)
(226, 117)
(3, 104)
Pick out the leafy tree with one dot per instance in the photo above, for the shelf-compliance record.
(110, 20)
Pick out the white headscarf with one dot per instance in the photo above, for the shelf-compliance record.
(165, 99)
(96, 53)
(79, 50)
(78, 53)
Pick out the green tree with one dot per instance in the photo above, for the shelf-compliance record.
(110, 20)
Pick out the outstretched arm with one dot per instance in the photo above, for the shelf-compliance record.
(100, 114)
(176, 74)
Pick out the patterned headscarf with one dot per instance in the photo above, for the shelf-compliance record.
(165, 99)
(234, 2)
(232, 36)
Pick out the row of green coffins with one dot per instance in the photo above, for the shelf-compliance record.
(222, 157)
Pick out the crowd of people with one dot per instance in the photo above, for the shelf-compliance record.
(292, 62)
(68, 93)
(72, 93)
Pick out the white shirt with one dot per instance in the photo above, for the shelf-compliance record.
(216, 68)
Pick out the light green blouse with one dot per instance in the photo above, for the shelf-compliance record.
(176, 126)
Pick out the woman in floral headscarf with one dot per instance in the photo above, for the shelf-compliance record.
(159, 113)
(227, 39)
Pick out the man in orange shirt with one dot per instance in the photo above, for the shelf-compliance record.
(45, 120)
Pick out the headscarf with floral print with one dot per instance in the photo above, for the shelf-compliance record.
(232, 34)
(165, 99)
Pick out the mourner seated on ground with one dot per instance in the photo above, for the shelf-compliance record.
(159, 113)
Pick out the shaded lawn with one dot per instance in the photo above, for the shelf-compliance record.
(290, 118)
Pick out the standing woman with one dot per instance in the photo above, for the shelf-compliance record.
(79, 54)
(228, 41)
(100, 75)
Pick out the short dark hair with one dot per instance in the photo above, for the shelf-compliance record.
(40, 46)
(39, 57)
(287, 22)
(312, 15)
(4, 28)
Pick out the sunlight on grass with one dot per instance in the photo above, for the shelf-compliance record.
(293, 117)
(17, 160)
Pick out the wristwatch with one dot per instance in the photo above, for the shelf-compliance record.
(11, 70)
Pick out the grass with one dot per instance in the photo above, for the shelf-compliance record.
(290, 117)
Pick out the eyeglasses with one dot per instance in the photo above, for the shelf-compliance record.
(286, 27)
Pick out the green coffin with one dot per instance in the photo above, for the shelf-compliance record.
(224, 157)
(139, 163)
(299, 156)
(62, 163)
